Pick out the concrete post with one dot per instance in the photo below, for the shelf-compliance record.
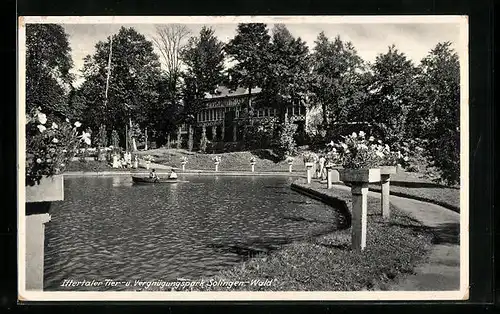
(35, 237)
(290, 168)
(309, 174)
(216, 167)
(359, 215)
(183, 167)
(329, 182)
(385, 183)
(253, 167)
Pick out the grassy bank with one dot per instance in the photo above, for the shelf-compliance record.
(92, 166)
(234, 161)
(414, 185)
(327, 263)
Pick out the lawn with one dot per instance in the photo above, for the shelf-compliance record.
(414, 185)
(327, 263)
(266, 160)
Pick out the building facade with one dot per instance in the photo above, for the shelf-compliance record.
(222, 118)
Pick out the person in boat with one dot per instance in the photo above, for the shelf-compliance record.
(153, 174)
(173, 175)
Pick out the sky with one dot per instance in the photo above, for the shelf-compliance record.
(414, 39)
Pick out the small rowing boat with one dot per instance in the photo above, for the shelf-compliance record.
(147, 180)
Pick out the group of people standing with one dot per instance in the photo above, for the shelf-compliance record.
(320, 168)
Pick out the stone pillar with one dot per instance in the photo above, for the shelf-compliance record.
(385, 182)
(253, 167)
(35, 238)
(223, 132)
(290, 168)
(214, 133)
(235, 134)
(309, 167)
(359, 215)
(329, 179)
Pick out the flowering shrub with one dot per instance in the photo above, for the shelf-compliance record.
(216, 159)
(333, 157)
(184, 160)
(290, 160)
(310, 157)
(50, 146)
(357, 152)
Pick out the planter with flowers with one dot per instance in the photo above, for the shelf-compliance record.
(310, 160)
(50, 145)
(184, 161)
(252, 163)
(148, 159)
(360, 158)
(49, 148)
(216, 160)
(290, 160)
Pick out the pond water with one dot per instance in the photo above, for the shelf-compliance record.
(109, 228)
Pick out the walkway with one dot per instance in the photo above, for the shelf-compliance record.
(441, 272)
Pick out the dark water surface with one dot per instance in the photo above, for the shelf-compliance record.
(108, 228)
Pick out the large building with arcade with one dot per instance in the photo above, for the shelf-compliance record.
(221, 119)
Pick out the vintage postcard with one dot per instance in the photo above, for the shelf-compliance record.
(243, 158)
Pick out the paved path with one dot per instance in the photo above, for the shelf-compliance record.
(441, 272)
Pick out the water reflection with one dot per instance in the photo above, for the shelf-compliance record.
(108, 228)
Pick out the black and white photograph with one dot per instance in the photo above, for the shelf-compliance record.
(243, 158)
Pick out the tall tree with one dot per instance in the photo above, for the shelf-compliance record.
(48, 65)
(393, 93)
(135, 70)
(204, 59)
(247, 49)
(437, 116)
(287, 71)
(170, 41)
(339, 79)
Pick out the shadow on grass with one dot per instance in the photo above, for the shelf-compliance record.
(447, 233)
(409, 184)
(266, 154)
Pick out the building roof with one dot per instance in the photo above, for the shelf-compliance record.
(223, 91)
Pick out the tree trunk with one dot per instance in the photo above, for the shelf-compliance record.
(168, 141)
(179, 138)
(146, 139)
(325, 119)
(190, 138)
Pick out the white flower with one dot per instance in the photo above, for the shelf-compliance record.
(354, 135)
(67, 120)
(62, 165)
(330, 144)
(386, 147)
(371, 139)
(41, 128)
(55, 140)
(379, 154)
(334, 150)
(361, 133)
(344, 145)
(42, 118)
(85, 137)
(54, 125)
(406, 158)
(380, 141)
(78, 124)
(38, 160)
